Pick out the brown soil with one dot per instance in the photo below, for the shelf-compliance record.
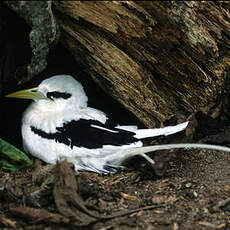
(193, 194)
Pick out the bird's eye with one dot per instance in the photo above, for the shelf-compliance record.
(56, 94)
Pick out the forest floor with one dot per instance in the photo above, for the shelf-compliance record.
(192, 194)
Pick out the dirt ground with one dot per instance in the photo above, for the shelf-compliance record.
(193, 194)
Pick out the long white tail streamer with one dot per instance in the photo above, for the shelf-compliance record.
(119, 157)
(146, 149)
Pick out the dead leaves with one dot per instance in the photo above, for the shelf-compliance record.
(69, 203)
(66, 197)
(127, 196)
(7, 222)
(59, 186)
(35, 215)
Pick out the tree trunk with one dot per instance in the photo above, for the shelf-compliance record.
(157, 58)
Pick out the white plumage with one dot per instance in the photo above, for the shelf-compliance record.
(58, 125)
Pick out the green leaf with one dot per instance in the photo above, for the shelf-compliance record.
(11, 158)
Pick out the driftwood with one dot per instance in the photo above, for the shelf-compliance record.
(157, 58)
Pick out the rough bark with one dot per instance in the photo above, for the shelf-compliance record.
(157, 58)
(43, 33)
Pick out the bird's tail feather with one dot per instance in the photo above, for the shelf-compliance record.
(109, 163)
(128, 153)
(144, 133)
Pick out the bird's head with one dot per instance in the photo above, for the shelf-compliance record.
(58, 90)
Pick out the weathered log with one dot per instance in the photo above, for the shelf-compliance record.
(157, 58)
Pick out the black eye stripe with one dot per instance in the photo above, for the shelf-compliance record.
(56, 94)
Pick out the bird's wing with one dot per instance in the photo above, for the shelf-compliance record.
(93, 114)
(131, 128)
(168, 130)
(90, 134)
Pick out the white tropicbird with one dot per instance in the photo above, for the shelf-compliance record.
(58, 125)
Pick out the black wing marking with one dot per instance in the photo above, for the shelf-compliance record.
(89, 134)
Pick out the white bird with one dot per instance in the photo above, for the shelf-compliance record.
(58, 125)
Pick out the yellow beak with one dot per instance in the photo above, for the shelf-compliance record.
(28, 94)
